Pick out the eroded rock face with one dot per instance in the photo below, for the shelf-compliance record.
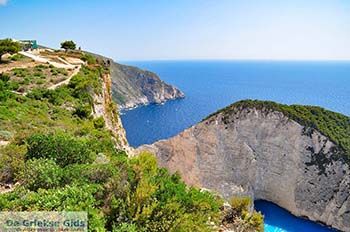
(266, 155)
(104, 107)
(132, 87)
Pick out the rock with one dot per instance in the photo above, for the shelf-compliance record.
(269, 156)
(103, 107)
(132, 87)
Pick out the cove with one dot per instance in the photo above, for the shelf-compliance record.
(278, 219)
(211, 85)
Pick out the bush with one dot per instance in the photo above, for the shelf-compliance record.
(88, 173)
(61, 148)
(5, 135)
(256, 221)
(240, 204)
(11, 162)
(90, 59)
(99, 123)
(9, 46)
(83, 111)
(240, 217)
(41, 173)
(4, 77)
(17, 57)
(154, 200)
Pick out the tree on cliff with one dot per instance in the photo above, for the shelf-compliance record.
(9, 46)
(68, 45)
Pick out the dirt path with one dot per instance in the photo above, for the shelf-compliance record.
(9, 67)
(41, 59)
(65, 82)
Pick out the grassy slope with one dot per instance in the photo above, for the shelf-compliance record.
(47, 128)
(334, 125)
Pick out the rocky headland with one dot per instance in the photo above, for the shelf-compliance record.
(133, 87)
(294, 156)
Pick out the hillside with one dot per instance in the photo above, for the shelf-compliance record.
(294, 156)
(132, 87)
(63, 148)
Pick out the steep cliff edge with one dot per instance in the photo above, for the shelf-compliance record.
(103, 106)
(283, 154)
(132, 86)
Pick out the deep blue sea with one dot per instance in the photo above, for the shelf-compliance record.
(211, 85)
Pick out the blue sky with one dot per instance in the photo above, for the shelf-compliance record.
(186, 29)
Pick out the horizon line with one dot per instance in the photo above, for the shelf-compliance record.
(234, 59)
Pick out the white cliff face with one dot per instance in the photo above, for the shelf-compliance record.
(105, 107)
(265, 155)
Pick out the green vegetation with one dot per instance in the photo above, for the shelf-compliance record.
(68, 45)
(64, 159)
(335, 126)
(40, 76)
(240, 218)
(9, 46)
(90, 59)
(116, 194)
(62, 149)
(17, 57)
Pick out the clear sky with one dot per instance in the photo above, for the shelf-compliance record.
(186, 29)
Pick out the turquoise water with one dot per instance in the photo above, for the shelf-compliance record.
(211, 85)
(279, 220)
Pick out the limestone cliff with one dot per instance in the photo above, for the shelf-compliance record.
(103, 106)
(132, 86)
(268, 154)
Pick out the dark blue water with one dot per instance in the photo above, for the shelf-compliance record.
(211, 85)
(277, 219)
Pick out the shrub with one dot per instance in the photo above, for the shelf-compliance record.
(154, 200)
(240, 204)
(240, 217)
(82, 111)
(41, 173)
(90, 59)
(256, 221)
(99, 123)
(11, 162)
(8, 46)
(5, 135)
(88, 173)
(4, 77)
(17, 57)
(61, 148)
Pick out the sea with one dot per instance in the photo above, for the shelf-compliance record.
(212, 85)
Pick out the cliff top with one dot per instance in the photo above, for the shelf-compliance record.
(334, 125)
(57, 145)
